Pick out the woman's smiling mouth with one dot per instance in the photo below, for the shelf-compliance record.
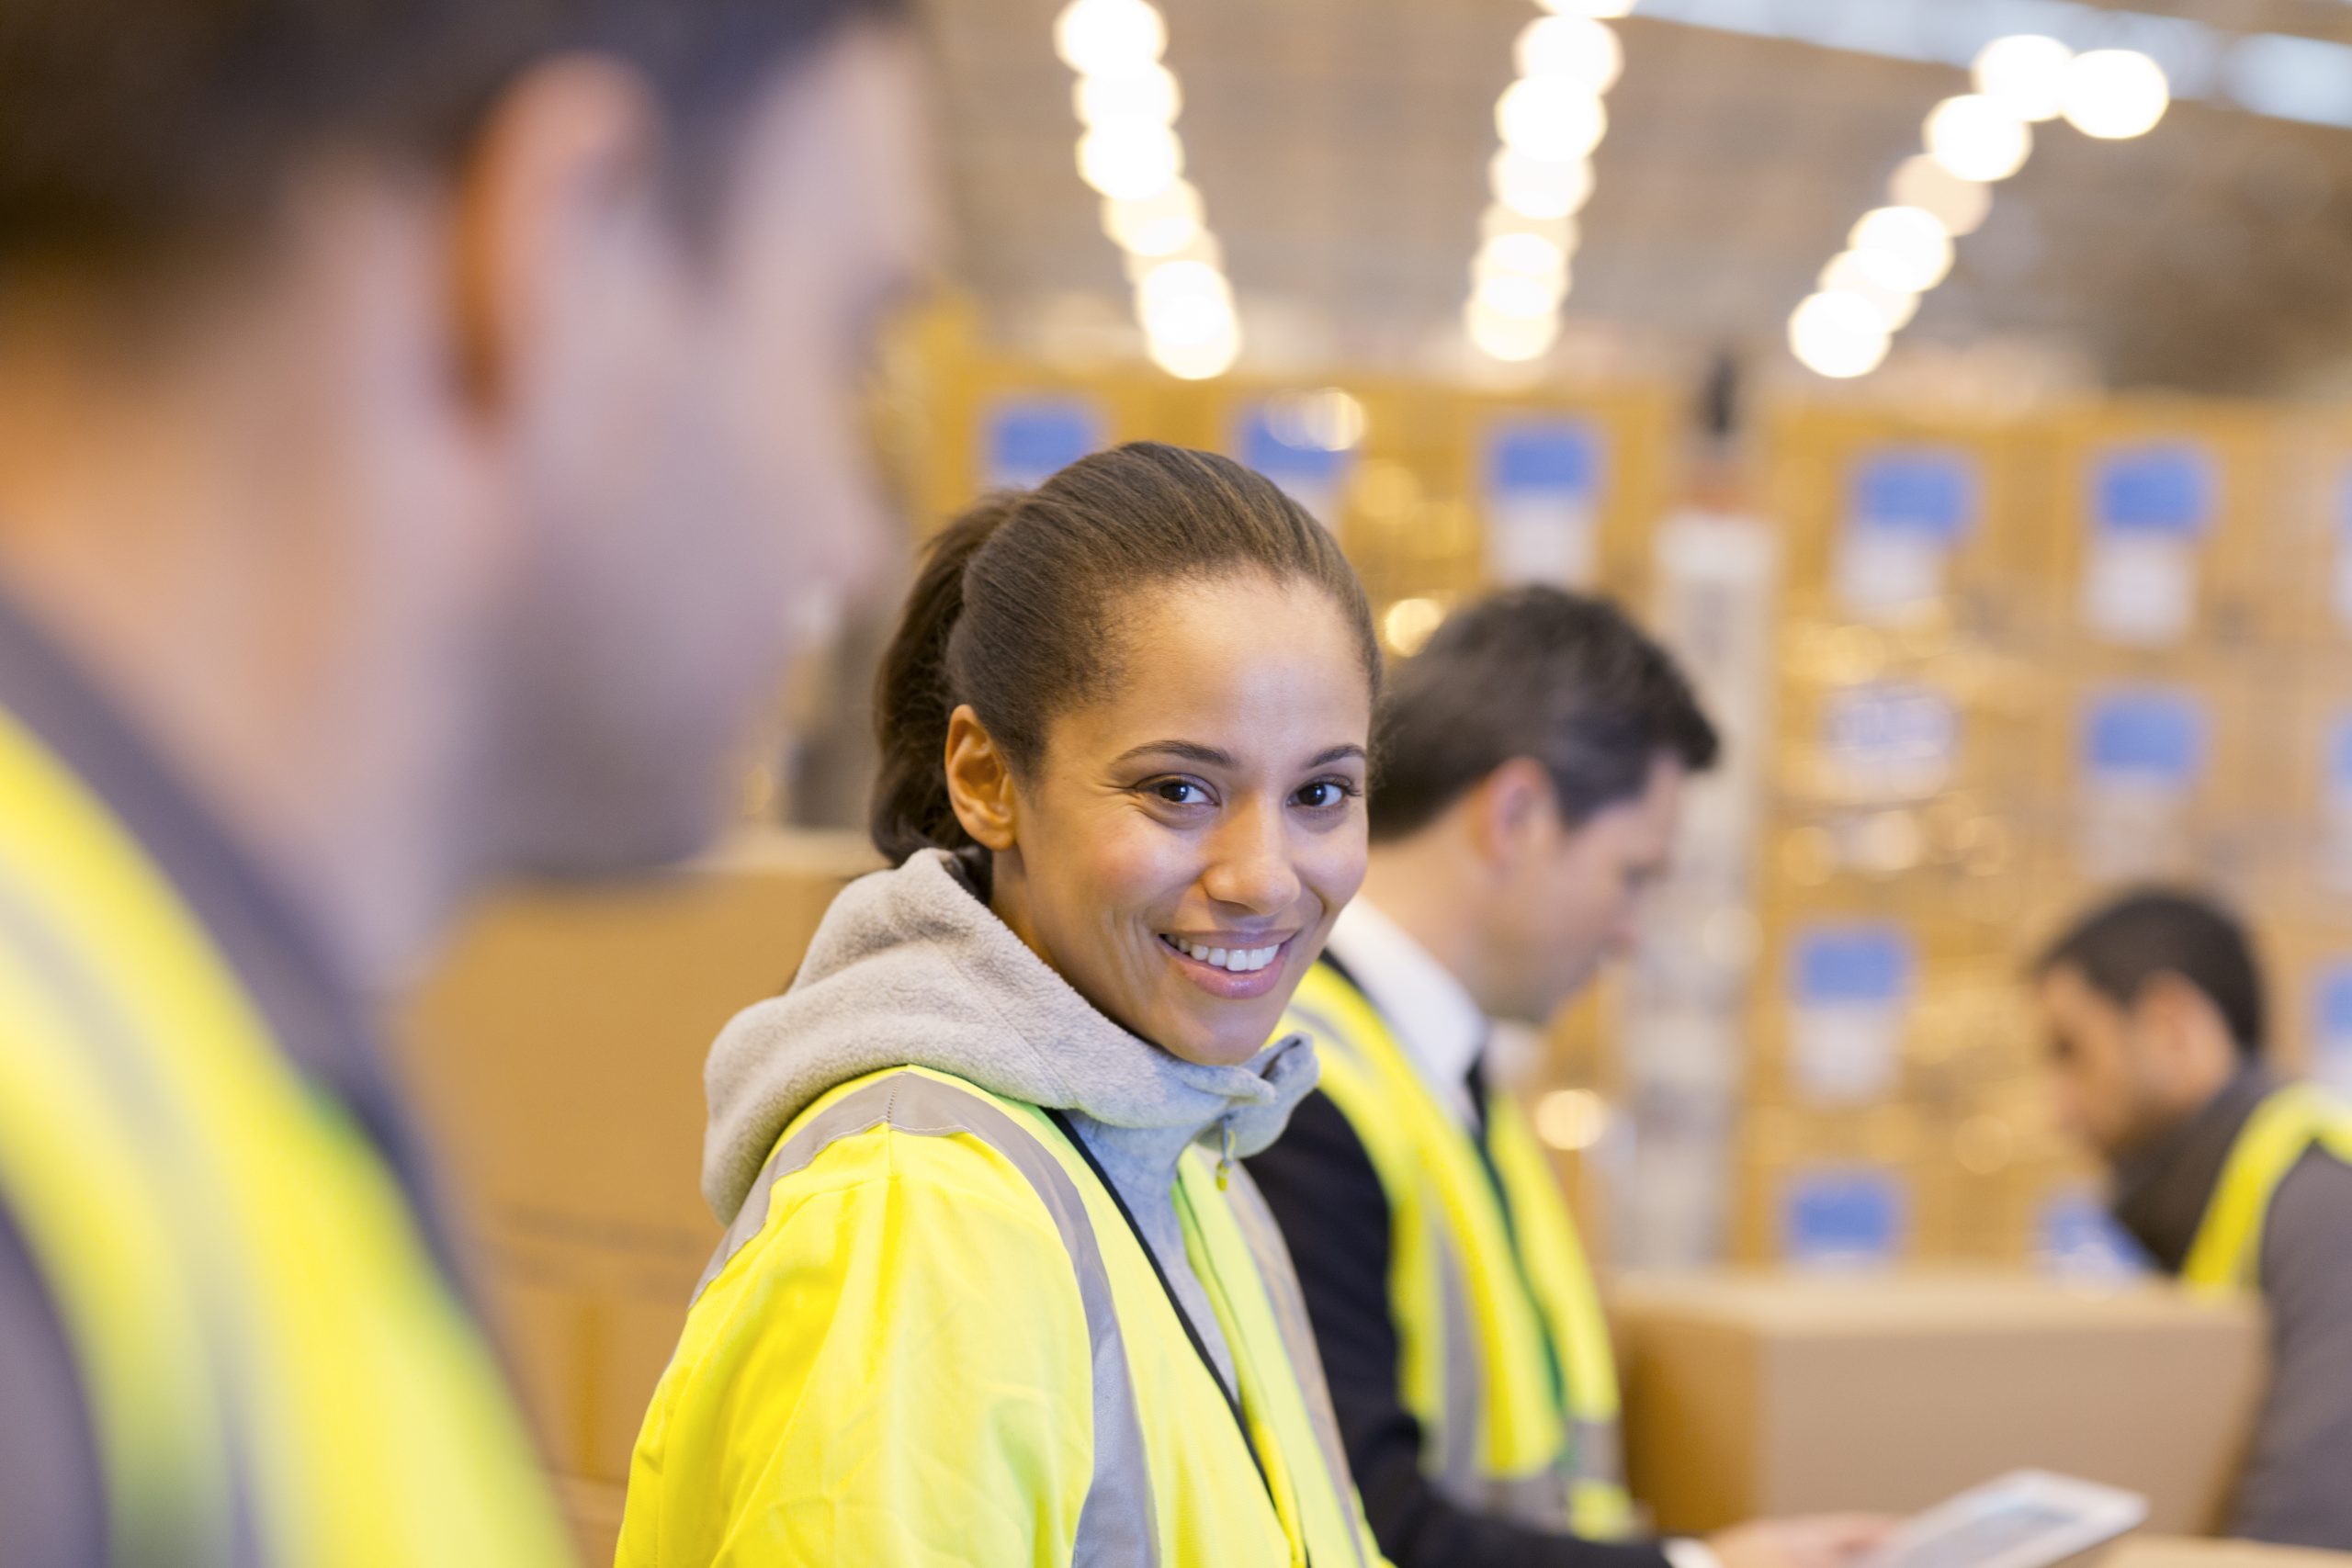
(1235, 968)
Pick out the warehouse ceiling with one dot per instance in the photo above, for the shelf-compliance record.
(1342, 148)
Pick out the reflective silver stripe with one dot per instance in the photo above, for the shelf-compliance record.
(1539, 1501)
(1265, 1241)
(1599, 1454)
(1459, 1471)
(1115, 1527)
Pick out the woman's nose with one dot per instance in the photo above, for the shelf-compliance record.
(1249, 864)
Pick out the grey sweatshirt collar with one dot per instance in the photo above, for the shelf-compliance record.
(910, 968)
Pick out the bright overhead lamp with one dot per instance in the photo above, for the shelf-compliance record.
(2026, 73)
(1837, 335)
(1109, 38)
(1847, 275)
(2116, 94)
(1157, 225)
(1148, 94)
(1551, 119)
(1575, 48)
(1513, 339)
(1539, 187)
(1903, 246)
(1130, 160)
(1978, 138)
(1959, 205)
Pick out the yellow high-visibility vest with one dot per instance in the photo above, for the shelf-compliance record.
(2226, 1253)
(1504, 1351)
(276, 1368)
(931, 1335)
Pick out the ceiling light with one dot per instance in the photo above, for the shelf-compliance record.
(1157, 225)
(2026, 73)
(1576, 48)
(1517, 294)
(1109, 38)
(1917, 250)
(1550, 117)
(1149, 94)
(1500, 219)
(1198, 360)
(1977, 138)
(1527, 255)
(1847, 275)
(1512, 338)
(2114, 94)
(1130, 160)
(1539, 187)
(1837, 335)
(1959, 205)
(1603, 8)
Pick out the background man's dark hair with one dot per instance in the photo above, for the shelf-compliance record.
(1563, 678)
(2121, 946)
(128, 125)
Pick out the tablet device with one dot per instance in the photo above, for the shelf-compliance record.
(2029, 1519)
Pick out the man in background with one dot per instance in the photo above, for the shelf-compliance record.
(421, 424)
(1530, 762)
(2230, 1178)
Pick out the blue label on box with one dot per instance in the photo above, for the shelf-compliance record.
(1860, 964)
(1028, 440)
(1844, 1216)
(1287, 455)
(1928, 492)
(2339, 756)
(2332, 1027)
(2170, 490)
(2075, 1235)
(2150, 736)
(1544, 457)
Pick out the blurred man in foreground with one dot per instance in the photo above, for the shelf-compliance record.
(2229, 1177)
(418, 420)
(1530, 766)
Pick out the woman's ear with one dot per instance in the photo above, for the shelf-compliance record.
(979, 782)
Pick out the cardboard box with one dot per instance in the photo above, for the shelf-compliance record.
(1758, 1394)
(556, 1056)
(2149, 1550)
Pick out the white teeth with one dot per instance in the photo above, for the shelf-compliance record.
(1233, 960)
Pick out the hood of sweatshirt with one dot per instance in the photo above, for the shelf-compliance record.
(910, 968)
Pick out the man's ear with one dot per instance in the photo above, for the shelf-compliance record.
(1508, 809)
(556, 183)
(2195, 1053)
(979, 783)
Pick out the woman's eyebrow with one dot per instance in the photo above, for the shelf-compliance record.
(1191, 751)
(1335, 754)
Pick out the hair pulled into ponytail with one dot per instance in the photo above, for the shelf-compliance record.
(1016, 608)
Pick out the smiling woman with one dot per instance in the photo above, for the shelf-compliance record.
(994, 1290)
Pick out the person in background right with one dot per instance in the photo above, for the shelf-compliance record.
(1529, 768)
(2231, 1178)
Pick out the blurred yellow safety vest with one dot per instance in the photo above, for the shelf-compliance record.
(276, 1371)
(1504, 1351)
(2226, 1254)
(1081, 1428)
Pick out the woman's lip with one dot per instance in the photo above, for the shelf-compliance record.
(1225, 984)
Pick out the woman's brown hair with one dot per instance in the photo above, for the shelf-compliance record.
(1017, 607)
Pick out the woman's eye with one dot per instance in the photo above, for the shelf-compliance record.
(1323, 794)
(1179, 792)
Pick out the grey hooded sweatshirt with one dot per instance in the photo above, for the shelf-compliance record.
(910, 968)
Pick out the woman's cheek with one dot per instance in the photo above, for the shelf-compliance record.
(1136, 866)
(1332, 864)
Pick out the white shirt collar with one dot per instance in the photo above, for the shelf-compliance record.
(1424, 1007)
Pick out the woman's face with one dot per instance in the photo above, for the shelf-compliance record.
(1182, 847)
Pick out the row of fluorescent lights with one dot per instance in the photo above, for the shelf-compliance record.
(1896, 252)
(1550, 118)
(1130, 154)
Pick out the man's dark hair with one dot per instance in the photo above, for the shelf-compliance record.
(2121, 946)
(129, 125)
(1564, 678)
